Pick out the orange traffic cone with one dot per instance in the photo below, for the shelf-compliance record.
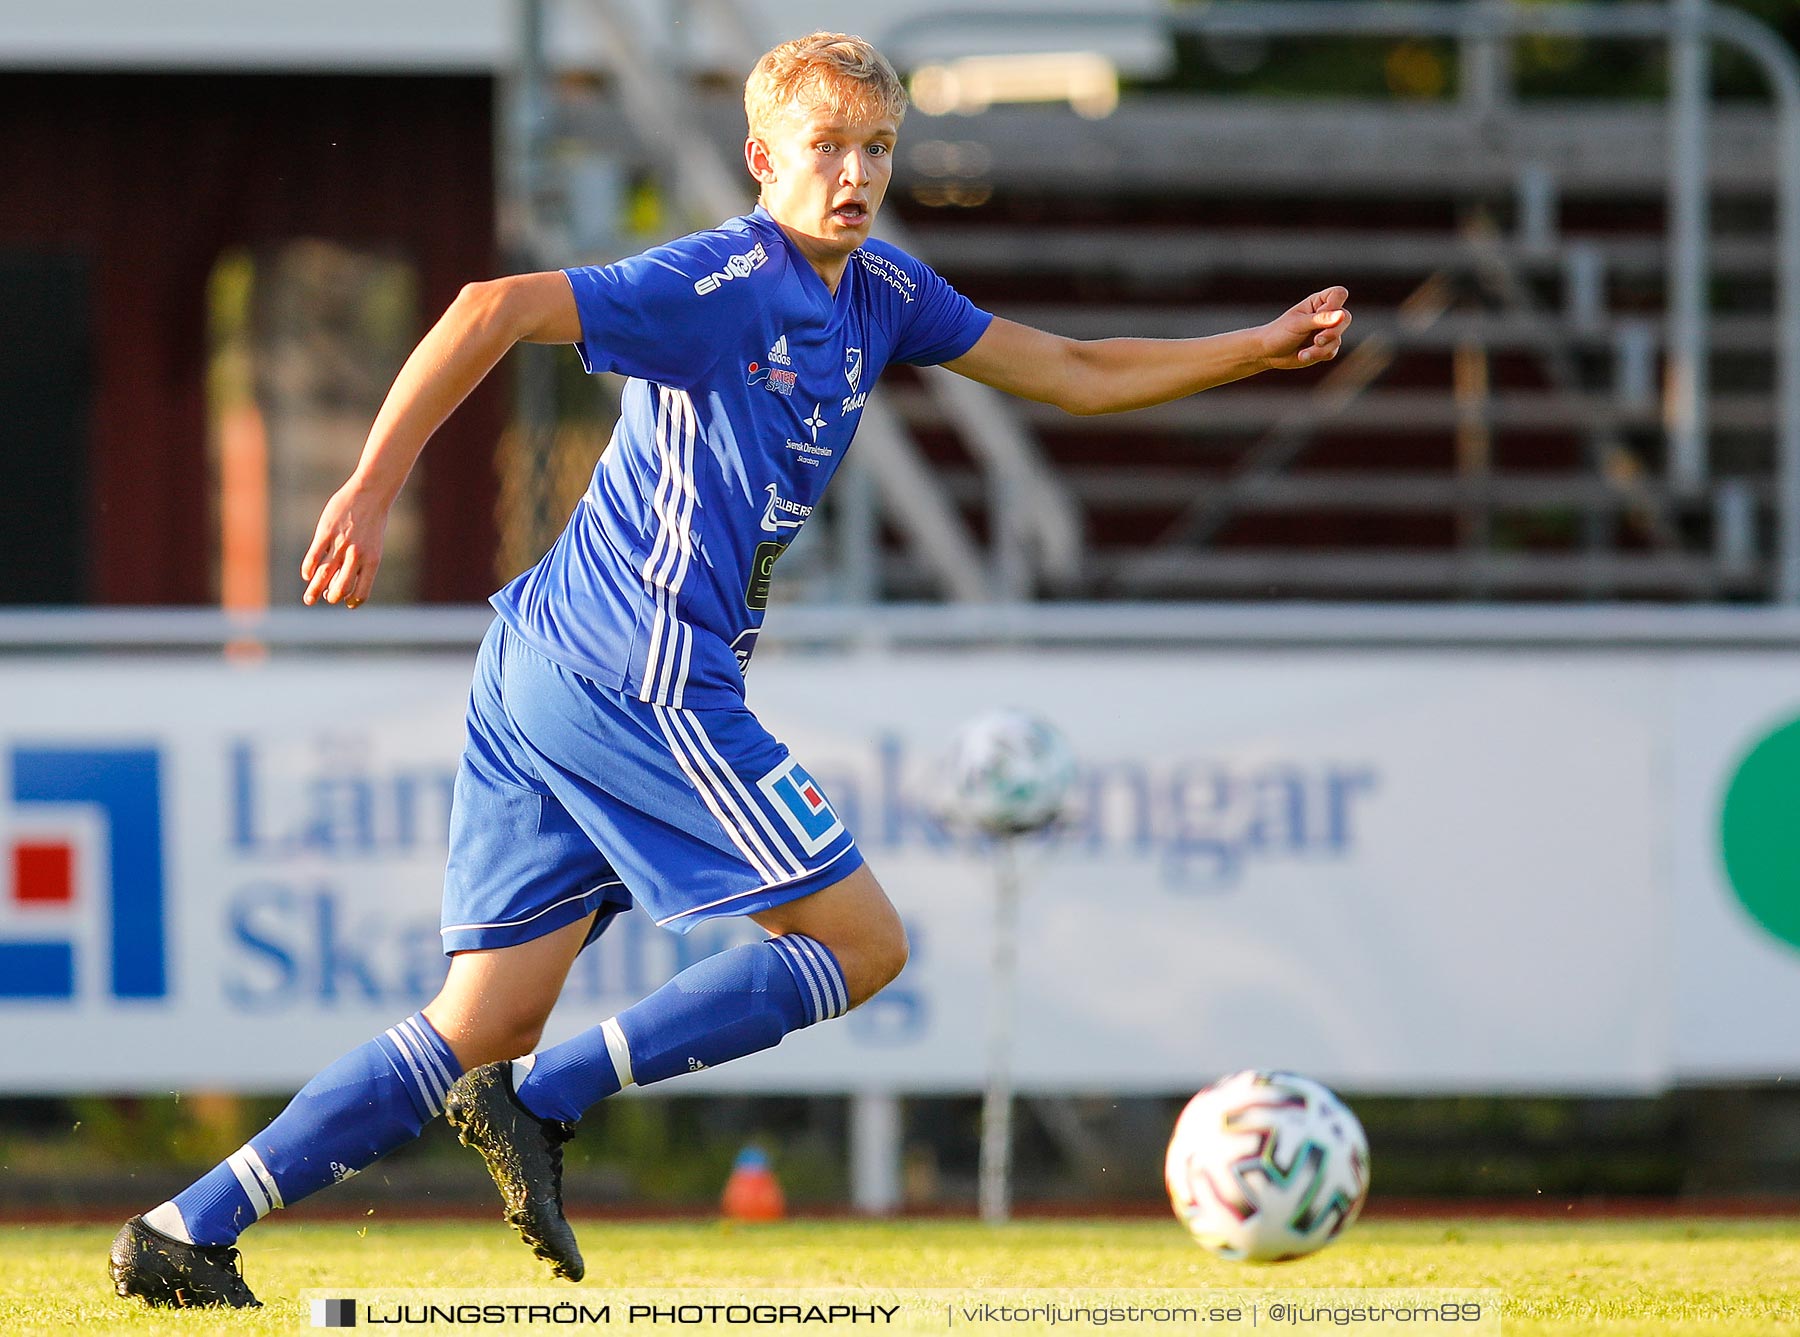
(752, 1193)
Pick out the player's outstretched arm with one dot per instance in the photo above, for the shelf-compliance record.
(484, 321)
(1111, 375)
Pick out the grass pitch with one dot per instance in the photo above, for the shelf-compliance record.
(1616, 1278)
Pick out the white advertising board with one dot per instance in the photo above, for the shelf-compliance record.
(1735, 852)
(1400, 871)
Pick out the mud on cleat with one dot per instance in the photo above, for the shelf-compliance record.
(160, 1270)
(524, 1155)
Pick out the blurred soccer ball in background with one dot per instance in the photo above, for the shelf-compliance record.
(1009, 773)
(1267, 1166)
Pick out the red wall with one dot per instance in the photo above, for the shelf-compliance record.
(151, 177)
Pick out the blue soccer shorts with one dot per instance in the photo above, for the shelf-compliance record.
(574, 798)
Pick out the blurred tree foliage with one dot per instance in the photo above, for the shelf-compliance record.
(1425, 69)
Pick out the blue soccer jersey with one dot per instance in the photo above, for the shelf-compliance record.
(747, 378)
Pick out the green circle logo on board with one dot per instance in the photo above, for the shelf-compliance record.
(1760, 833)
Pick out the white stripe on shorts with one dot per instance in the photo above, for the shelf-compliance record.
(535, 914)
(666, 920)
(734, 792)
(731, 819)
(796, 862)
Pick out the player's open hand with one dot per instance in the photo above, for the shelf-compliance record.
(340, 565)
(1308, 333)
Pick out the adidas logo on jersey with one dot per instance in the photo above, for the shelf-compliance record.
(778, 354)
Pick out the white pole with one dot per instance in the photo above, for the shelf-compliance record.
(996, 1105)
(1689, 94)
(875, 1152)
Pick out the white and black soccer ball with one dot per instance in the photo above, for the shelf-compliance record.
(1267, 1166)
(1009, 773)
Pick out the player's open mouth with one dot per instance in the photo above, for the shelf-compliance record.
(852, 214)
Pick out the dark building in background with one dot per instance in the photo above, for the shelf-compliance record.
(122, 193)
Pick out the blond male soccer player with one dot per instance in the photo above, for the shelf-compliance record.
(610, 759)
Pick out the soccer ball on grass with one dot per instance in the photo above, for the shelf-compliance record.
(1267, 1166)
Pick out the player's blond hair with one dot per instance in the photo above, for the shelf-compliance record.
(832, 70)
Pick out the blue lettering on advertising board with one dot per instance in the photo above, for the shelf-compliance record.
(1204, 824)
(339, 808)
(301, 940)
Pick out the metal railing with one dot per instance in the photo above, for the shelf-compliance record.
(1685, 25)
(900, 627)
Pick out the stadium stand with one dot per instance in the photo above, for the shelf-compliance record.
(1498, 430)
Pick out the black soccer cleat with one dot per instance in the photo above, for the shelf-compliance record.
(524, 1155)
(160, 1270)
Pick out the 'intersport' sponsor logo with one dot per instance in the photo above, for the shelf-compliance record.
(777, 380)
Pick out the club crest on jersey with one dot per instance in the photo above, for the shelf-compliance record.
(798, 801)
(778, 380)
(853, 367)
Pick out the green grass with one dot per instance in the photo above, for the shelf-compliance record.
(1662, 1277)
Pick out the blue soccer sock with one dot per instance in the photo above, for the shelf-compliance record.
(370, 1101)
(722, 1008)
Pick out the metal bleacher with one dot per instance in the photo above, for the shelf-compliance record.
(1495, 426)
(1499, 426)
